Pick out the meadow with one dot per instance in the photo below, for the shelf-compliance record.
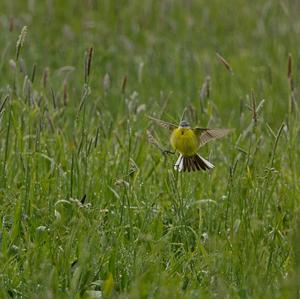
(90, 207)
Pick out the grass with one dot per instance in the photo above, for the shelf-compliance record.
(89, 208)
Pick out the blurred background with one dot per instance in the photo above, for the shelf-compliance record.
(161, 46)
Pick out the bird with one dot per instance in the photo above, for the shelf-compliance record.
(187, 141)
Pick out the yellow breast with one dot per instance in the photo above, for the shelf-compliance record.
(185, 141)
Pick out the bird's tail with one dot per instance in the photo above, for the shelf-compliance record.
(192, 163)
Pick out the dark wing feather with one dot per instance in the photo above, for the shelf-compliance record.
(163, 124)
(206, 135)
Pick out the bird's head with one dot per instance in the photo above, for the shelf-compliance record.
(184, 124)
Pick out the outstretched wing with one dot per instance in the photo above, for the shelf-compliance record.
(163, 124)
(205, 135)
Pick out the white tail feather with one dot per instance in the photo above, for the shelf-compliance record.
(210, 165)
(179, 163)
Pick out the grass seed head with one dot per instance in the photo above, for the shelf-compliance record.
(20, 41)
(106, 82)
(224, 62)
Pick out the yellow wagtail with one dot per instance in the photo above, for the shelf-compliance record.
(187, 141)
